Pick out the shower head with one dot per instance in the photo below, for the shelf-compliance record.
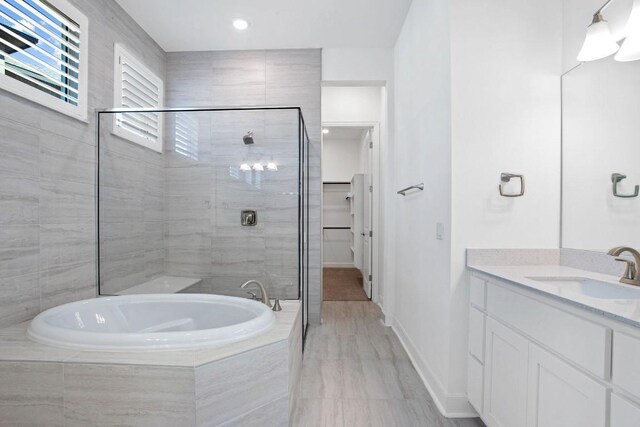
(248, 138)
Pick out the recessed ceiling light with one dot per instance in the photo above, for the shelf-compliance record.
(325, 131)
(240, 24)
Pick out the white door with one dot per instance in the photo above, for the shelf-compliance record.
(505, 387)
(366, 237)
(367, 282)
(561, 396)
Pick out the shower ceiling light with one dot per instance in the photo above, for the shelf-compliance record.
(258, 167)
(630, 50)
(272, 166)
(240, 24)
(245, 167)
(599, 42)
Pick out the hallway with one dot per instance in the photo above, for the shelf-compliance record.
(356, 373)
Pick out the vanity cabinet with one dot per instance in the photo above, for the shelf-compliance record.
(505, 388)
(623, 412)
(546, 365)
(559, 395)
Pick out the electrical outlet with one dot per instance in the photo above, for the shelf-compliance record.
(440, 231)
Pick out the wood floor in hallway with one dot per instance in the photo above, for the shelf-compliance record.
(356, 373)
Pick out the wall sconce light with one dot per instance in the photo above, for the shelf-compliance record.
(630, 49)
(599, 42)
(272, 166)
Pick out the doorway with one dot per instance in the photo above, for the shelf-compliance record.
(347, 172)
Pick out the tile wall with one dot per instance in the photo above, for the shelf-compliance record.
(47, 200)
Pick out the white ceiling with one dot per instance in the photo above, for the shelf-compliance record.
(192, 25)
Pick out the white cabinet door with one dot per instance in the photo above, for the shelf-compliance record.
(560, 395)
(624, 413)
(474, 383)
(505, 386)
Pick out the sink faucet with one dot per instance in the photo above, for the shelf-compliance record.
(630, 276)
(263, 292)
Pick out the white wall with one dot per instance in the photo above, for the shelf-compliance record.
(357, 66)
(505, 118)
(341, 159)
(423, 154)
(474, 97)
(351, 104)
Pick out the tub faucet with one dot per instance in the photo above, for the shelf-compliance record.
(630, 276)
(263, 292)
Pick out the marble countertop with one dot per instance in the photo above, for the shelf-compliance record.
(625, 310)
(15, 346)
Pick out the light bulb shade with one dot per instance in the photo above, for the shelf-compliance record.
(245, 167)
(630, 50)
(633, 24)
(258, 167)
(272, 166)
(599, 42)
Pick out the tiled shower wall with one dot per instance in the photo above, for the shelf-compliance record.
(47, 169)
(227, 254)
(205, 192)
(131, 211)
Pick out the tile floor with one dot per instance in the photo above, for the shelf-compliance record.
(356, 373)
(343, 284)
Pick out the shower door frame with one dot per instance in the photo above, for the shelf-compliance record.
(303, 186)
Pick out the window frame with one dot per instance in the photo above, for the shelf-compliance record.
(30, 93)
(120, 51)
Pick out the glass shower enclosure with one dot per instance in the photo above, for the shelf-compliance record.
(200, 200)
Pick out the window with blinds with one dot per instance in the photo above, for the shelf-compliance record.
(186, 138)
(43, 53)
(136, 87)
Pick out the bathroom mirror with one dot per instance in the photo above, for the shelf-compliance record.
(601, 155)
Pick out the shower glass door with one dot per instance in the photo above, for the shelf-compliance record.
(220, 200)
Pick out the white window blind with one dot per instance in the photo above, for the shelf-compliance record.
(138, 88)
(43, 53)
(186, 138)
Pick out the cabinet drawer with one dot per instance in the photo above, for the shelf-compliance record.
(579, 340)
(626, 363)
(477, 292)
(475, 383)
(476, 333)
(624, 413)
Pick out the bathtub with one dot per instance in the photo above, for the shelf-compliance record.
(151, 322)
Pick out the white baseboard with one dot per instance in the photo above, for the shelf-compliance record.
(338, 265)
(450, 405)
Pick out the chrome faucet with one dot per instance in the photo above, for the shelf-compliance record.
(630, 276)
(263, 292)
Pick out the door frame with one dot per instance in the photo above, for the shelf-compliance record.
(376, 206)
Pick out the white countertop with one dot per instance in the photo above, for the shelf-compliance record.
(625, 310)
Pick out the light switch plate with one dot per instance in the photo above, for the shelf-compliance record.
(440, 231)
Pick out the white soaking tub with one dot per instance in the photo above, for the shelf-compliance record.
(151, 322)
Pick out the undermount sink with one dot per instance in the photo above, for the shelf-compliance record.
(591, 288)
